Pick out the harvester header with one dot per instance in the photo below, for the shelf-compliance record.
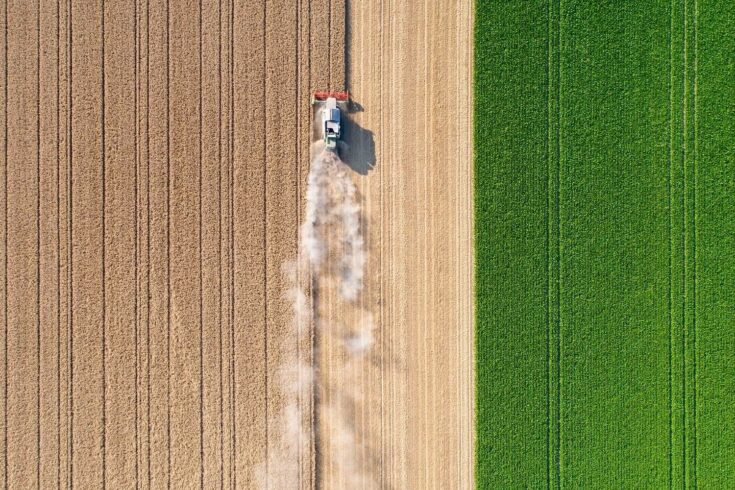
(322, 95)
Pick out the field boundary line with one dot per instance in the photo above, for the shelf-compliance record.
(5, 255)
(220, 249)
(70, 248)
(148, 231)
(58, 243)
(201, 255)
(683, 135)
(168, 246)
(684, 238)
(689, 298)
(265, 235)
(38, 242)
(103, 163)
(136, 273)
(671, 246)
(558, 245)
(553, 245)
(231, 235)
(694, 239)
(297, 144)
(549, 449)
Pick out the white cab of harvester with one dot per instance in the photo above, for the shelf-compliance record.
(331, 123)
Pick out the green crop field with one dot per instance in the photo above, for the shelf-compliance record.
(605, 243)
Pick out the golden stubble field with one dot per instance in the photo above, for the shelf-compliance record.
(155, 161)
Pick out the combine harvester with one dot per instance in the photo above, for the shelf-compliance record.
(328, 106)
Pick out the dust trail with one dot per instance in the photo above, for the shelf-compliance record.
(332, 222)
(331, 263)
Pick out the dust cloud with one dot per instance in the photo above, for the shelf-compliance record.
(330, 263)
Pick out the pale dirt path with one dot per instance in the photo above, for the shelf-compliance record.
(412, 395)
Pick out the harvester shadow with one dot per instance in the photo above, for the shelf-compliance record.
(355, 107)
(358, 148)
